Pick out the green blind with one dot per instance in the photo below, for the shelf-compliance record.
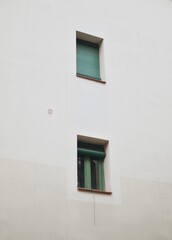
(93, 150)
(88, 59)
(92, 153)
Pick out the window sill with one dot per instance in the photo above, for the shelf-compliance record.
(94, 191)
(91, 79)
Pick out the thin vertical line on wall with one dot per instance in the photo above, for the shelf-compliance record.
(94, 209)
(161, 203)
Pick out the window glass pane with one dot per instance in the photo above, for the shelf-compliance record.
(81, 183)
(94, 174)
(88, 59)
(91, 166)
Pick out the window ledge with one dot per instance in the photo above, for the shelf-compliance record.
(91, 79)
(94, 191)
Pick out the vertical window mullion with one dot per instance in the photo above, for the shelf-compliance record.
(87, 172)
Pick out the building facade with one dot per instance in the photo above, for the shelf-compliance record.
(86, 112)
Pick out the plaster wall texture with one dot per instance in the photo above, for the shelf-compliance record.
(44, 106)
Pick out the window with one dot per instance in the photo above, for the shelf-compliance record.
(91, 166)
(88, 59)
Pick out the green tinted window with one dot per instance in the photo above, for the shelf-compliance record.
(88, 59)
(91, 166)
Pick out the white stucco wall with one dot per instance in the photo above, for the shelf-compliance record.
(133, 110)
